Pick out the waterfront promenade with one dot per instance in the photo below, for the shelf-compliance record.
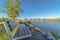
(28, 31)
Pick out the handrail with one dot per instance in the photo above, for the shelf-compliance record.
(14, 31)
(10, 33)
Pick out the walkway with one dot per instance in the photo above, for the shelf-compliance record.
(22, 32)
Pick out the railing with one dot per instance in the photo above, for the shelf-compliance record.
(19, 32)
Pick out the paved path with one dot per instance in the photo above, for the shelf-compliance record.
(22, 32)
(37, 35)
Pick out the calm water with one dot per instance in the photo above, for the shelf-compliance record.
(48, 26)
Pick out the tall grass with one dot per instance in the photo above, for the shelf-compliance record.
(3, 33)
(56, 36)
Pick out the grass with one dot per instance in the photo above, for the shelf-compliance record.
(3, 33)
(56, 36)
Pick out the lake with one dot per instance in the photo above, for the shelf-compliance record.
(50, 26)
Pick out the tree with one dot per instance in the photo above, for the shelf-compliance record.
(13, 8)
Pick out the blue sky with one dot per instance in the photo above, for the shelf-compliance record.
(37, 9)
